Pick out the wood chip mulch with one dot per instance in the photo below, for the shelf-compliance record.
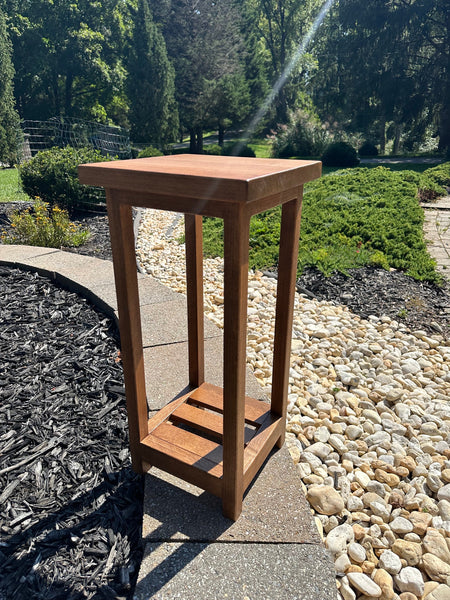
(70, 505)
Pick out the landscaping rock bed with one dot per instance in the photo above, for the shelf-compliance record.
(375, 291)
(70, 505)
(368, 420)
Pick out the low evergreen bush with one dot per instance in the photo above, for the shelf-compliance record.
(238, 150)
(435, 182)
(340, 154)
(213, 149)
(350, 218)
(52, 175)
(368, 149)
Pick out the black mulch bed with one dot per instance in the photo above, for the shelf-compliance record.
(70, 505)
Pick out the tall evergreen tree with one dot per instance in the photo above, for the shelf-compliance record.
(151, 89)
(9, 119)
(205, 44)
(384, 69)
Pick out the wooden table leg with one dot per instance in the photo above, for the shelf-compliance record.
(125, 273)
(194, 285)
(287, 276)
(236, 238)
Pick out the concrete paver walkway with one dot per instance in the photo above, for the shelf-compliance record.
(437, 233)
(191, 551)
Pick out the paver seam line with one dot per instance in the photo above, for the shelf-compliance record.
(157, 540)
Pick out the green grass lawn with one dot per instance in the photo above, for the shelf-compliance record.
(10, 188)
(262, 148)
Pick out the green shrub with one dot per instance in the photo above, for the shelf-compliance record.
(434, 182)
(238, 150)
(368, 149)
(350, 218)
(52, 175)
(41, 227)
(149, 152)
(303, 135)
(180, 151)
(340, 154)
(213, 149)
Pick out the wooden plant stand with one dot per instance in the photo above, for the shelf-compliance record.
(214, 438)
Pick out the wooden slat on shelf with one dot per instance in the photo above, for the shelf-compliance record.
(184, 454)
(195, 444)
(211, 396)
(165, 412)
(201, 472)
(206, 422)
(199, 419)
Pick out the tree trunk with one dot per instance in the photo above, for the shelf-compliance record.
(196, 141)
(68, 95)
(199, 140)
(192, 142)
(221, 134)
(398, 132)
(281, 108)
(444, 118)
(382, 135)
(55, 94)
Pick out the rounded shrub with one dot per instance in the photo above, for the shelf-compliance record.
(52, 175)
(149, 152)
(368, 149)
(238, 150)
(340, 154)
(212, 149)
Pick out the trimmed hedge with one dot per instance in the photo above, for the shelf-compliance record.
(368, 149)
(238, 150)
(52, 175)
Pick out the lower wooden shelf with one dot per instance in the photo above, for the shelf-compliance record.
(185, 437)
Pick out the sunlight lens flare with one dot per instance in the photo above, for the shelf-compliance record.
(301, 49)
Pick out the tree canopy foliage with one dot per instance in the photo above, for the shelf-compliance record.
(9, 119)
(384, 69)
(379, 69)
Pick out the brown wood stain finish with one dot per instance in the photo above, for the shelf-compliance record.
(216, 438)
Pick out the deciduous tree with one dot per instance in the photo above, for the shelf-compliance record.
(69, 57)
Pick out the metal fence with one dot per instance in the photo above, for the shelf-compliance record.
(59, 131)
